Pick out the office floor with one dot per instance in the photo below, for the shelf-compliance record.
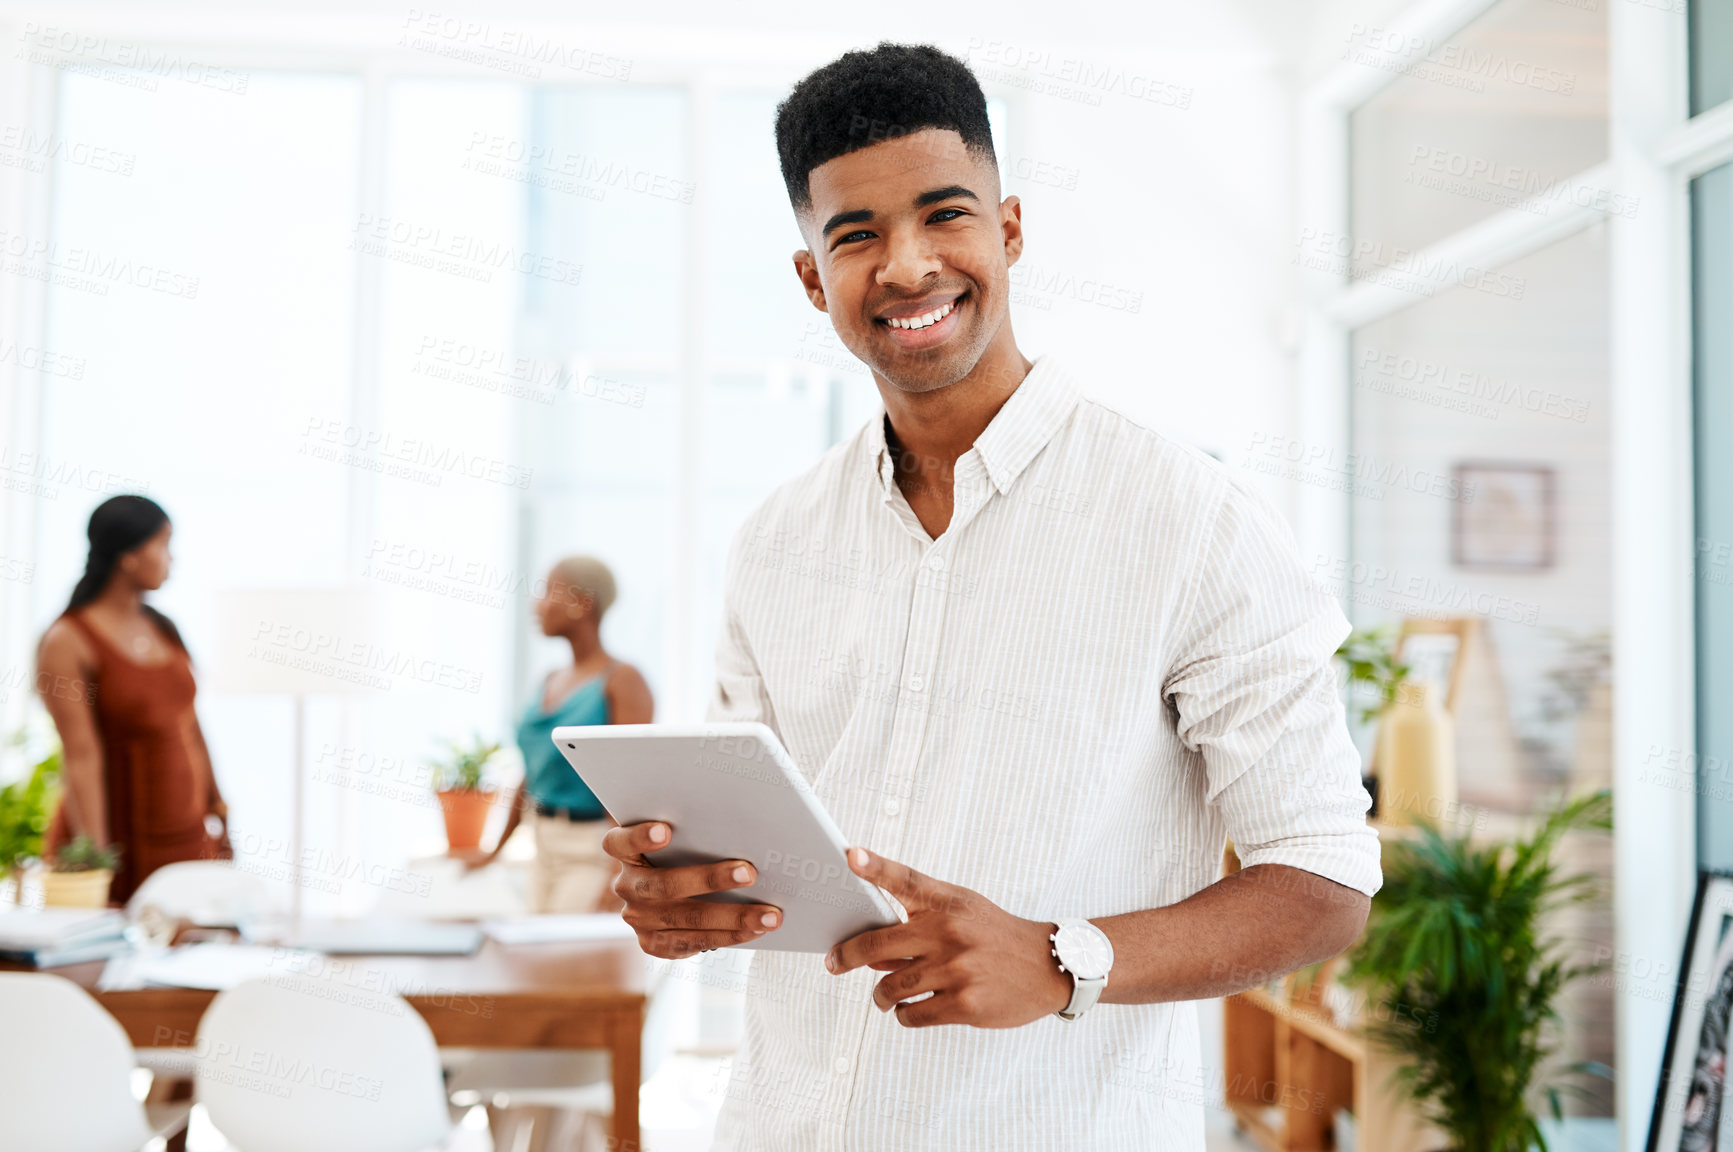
(680, 1114)
(680, 1102)
(679, 1106)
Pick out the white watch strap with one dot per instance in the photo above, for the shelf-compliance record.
(1084, 993)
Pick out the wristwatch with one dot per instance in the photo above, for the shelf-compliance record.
(1084, 951)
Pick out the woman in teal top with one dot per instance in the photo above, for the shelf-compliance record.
(572, 873)
(548, 779)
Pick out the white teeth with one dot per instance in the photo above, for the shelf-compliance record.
(932, 317)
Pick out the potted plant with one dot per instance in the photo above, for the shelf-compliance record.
(80, 874)
(1455, 943)
(25, 808)
(460, 782)
(1369, 654)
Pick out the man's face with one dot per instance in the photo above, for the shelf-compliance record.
(911, 228)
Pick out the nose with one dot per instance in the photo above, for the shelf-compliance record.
(909, 259)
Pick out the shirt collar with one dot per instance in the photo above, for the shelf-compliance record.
(1018, 431)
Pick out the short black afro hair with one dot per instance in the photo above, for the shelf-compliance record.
(867, 97)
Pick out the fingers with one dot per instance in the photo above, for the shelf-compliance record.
(685, 927)
(677, 945)
(909, 940)
(939, 1008)
(701, 916)
(645, 883)
(913, 890)
(912, 981)
(629, 842)
(660, 903)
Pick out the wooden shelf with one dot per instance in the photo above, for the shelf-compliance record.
(1312, 1022)
(1289, 1068)
(1250, 1120)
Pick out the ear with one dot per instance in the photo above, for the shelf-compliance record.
(1011, 227)
(806, 268)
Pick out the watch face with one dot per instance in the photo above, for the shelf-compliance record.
(1085, 950)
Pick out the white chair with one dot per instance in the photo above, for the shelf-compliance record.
(66, 1073)
(289, 1064)
(209, 893)
(538, 1086)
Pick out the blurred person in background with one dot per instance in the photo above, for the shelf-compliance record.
(571, 872)
(118, 683)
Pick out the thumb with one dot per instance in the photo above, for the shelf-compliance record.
(913, 890)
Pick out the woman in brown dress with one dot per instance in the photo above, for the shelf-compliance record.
(118, 682)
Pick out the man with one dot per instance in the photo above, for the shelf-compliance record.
(1037, 659)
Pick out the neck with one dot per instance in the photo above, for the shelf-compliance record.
(119, 597)
(932, 429)
(586, 642)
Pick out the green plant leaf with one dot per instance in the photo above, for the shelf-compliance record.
(1456, 932)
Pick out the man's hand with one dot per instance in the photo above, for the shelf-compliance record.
(982, 965)
(659, 902)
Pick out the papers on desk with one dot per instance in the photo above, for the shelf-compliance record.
(51, 937)
(216, 967)
(560, 929)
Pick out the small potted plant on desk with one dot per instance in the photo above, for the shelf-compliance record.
(460, 782)
(80, 874)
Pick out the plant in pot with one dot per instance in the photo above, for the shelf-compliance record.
(1374, 675)
(1456, 946)
(460, 782)
(25, 808)
(80, 874)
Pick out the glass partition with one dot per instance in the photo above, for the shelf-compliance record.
(1712, 315)
(1511, 108)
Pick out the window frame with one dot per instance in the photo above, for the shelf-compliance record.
(1656, 149)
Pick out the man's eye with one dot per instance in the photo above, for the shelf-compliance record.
(945, 214)
(851, 236)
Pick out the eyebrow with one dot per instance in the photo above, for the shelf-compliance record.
(863, 215)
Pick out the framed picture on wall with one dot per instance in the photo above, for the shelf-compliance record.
(1692, 1110)
(1503, 517)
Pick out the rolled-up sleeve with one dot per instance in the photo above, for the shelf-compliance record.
(1253, 685)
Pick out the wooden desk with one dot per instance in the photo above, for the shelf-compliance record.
(588, 995)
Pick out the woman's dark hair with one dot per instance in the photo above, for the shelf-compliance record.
(117, 527)
(870, 95)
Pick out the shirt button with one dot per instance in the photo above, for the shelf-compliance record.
(916, 683)
(892, 807)
(842, 1063)
(936, 562)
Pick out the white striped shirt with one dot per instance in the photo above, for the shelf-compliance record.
(1110, 662)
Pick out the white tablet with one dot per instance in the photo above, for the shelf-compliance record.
(731, 792)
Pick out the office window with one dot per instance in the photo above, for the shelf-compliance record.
(607, 186)
(1712, 284)
(1464, 401)
(1513, 106)
(203, 286)
(1711, 53)
(1481, 477)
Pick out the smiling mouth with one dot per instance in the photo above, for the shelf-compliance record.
(925, 319)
